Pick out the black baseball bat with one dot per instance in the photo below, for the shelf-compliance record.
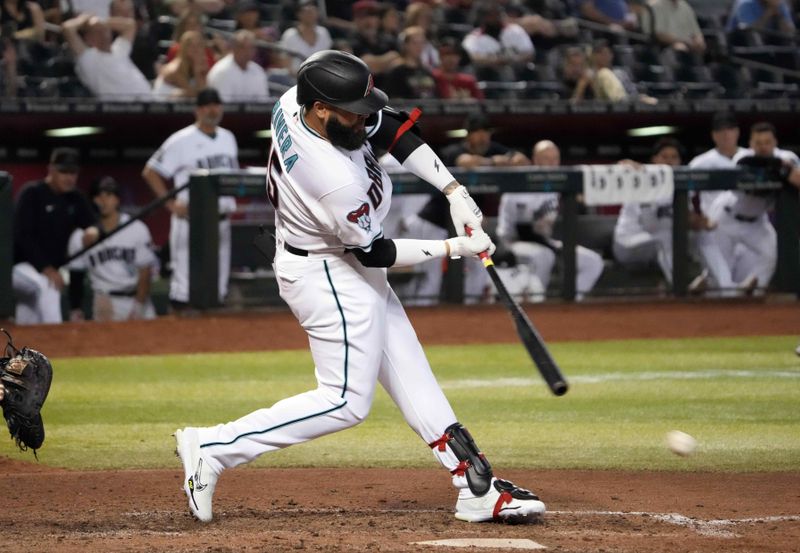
(155, 204)
(530, 337)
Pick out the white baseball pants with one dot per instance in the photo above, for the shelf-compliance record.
(359, 335)
(38, 301)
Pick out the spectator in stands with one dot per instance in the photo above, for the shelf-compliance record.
(9, 83)
(498, 50)
(675, 25)
(772, 15)
(144, 52)
(45, 214)
(598, 82)
(411, 79)
(237, 77)
(192, 20)
(376, 49)
(120, 266)
(391, 23)
(105, 67)
(525, 229)
(546, 22)
(21, 24)
(305, 38)
(420, 14)
(22, 20)
(746, 235)
(451, 83)
(614, 13)
(178, 7)
(98, 8)
(247, 15)
(187, 74)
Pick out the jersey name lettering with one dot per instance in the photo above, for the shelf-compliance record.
(281, 135)
(375, 191)
(114, 253)
(218, 160)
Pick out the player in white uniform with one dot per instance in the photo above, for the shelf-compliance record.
(331, 197)
(725, 134)
(644, 230)
(746, 235)
(525, 226)
(202, 145)
(119, 266)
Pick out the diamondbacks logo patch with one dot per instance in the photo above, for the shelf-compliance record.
(361, 217)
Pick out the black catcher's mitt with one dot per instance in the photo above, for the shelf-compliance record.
(25, 376)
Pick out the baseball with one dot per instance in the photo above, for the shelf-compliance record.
(681, 443)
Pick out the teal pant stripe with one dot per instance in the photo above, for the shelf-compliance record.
(344, 386)
(344, 327)
(211, 444)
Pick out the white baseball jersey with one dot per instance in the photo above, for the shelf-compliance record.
(182, 153)
(712, 159)
(325, 202)
(114, 264)
(513, 39)
(746, 204)
(538, 209)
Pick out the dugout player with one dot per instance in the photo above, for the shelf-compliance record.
(331, 197)
(46, 213)
(120, 266)
(202, 145)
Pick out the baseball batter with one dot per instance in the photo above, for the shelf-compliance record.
(525, 225)
(203, 145)
(331, 197)
(119, 266)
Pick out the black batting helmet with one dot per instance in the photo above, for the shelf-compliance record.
(339, 79)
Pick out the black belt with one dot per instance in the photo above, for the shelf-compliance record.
(122, 293)
(742, 218)
(296, 251)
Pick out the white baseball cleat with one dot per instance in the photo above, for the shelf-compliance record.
(797, 351)
(199, 480)
(504, 502)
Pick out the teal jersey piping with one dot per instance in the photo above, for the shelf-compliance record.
(344, 386)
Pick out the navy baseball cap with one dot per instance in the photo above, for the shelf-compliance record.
(104, 184)
(208, 96)
(65, 160)
(724, 120)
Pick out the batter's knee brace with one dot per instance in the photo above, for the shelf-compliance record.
(471, 462)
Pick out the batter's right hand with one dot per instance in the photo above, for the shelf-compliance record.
(179, 209)
(466, 246)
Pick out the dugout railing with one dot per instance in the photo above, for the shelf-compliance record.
(206, 186)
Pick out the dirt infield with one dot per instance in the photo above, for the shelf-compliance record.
(46, 509)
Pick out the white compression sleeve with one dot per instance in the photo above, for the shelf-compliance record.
(411, 252)
(424, 163)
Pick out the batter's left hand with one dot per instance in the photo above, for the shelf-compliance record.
(463, 210)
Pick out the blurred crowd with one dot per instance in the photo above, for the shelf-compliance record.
(249, 50)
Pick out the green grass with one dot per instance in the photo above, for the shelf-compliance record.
(740, 397)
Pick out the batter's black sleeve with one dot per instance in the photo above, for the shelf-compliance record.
(382, 254)
(394, 133)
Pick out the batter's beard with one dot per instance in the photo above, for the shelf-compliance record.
(343, 136)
